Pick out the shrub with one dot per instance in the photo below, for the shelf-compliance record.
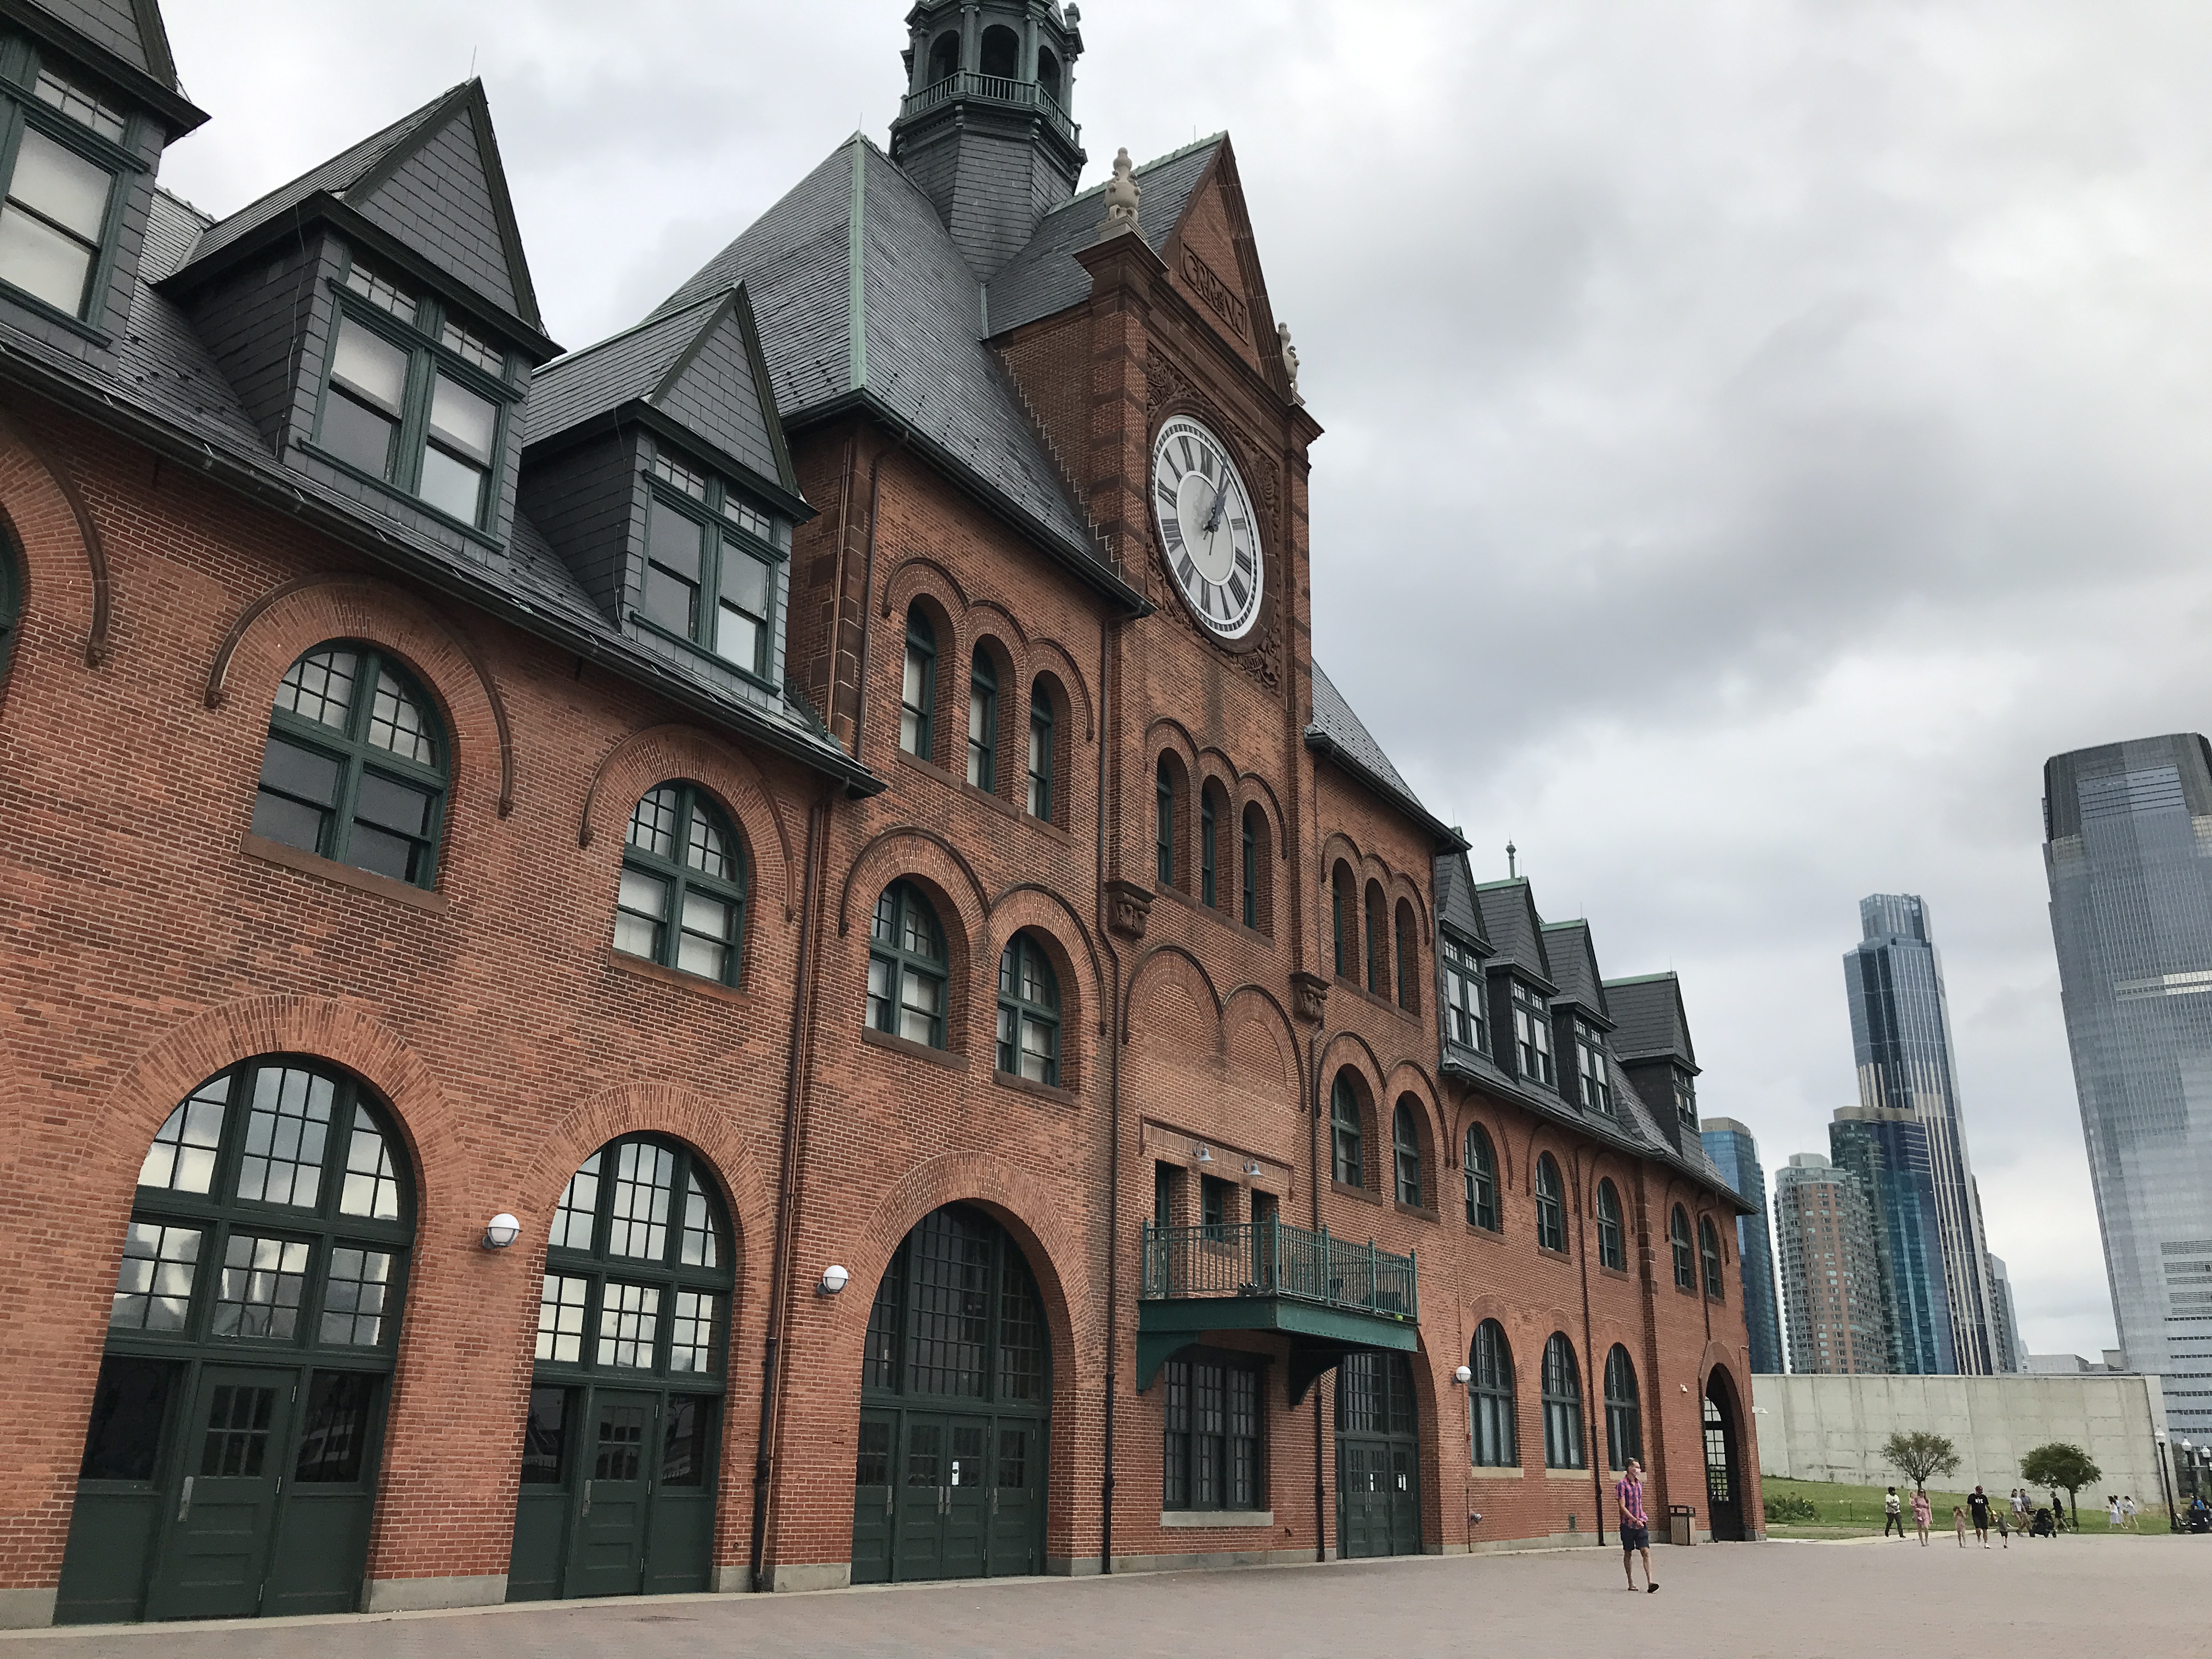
(1790, 1506)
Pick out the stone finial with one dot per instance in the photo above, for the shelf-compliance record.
(1290, 361)
(1121, 193)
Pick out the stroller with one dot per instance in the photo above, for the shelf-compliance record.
(2043, 1526)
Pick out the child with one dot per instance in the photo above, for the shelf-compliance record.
(1958, 1524)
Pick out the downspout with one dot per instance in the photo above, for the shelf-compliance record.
(1597, 1372)
(785, 1196)
(1116, 1016)
(868, 592)
(1312, 1192)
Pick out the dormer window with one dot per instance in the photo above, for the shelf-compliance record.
(80, 106)
(709, 558)
(1590, 1067)
(1685, 1098)
(1464, 1025)
(54, 221)
(1532, 1036)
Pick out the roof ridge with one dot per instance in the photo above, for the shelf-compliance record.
(648, 321)
(1146, 167)
(395, 131)
(207, 220)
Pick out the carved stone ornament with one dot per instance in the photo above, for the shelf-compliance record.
(1290, 362)
(1129, 906)
(1310, 993)
(1121, 194)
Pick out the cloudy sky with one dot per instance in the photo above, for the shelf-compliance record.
(1759, 434)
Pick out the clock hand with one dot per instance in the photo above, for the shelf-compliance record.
(1220, 501)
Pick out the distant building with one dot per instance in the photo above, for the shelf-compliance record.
(1830, 1272)
(2129, 859)
(1887, 1147)
(2064, 1365)
(1735, 1154)
(1901, 1036)
(2012, 1355)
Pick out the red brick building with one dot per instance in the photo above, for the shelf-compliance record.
(754, 956)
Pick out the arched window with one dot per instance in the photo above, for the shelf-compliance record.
(1480, 1165)
(1255, 851)
(1678, 1235)
(1002, 51)
(1623, 1417)
(356, 765)
(1405, 1152)
(1029, 1012)
(1563, 1404)
(1040, 801)
(1409, 978)
(1347, 1150)
(1344, 922)
(1612, 1243)
(11, 602)
(1708, 1250)
(1491, 1394)
(944, 57)
(1048, 74)
(917, 688)
(1209, 848)
(907, 967)
(1378, 940)
(1551, 1205)
(1163, 826)
(983, 721)
(683, 898)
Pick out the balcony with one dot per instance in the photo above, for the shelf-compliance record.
(1329, 1298)
(992, 89)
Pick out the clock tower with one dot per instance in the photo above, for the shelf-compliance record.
(984, 129)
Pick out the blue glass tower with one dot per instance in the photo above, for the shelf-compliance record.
(1902, 1038)
(1887, 1148)
(1735, 1154)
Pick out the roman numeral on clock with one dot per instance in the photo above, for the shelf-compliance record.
(1187, 574)
(1171, 527)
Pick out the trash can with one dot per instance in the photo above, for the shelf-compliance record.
(1681, 1524)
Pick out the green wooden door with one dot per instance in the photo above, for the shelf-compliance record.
(606, 1555)
(679, 1543)
(215, 1560)
(1403, 1498)
(1378, 1459)
(546, 1502)
(1017, 1500)
(874, 1498)
(966, 1497)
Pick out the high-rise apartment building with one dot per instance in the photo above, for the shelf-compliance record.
(2012, 1353)
(1831, 1273)
(1735, 1154)
(2130, 857)
(1901, 1039)
(1887, 1147)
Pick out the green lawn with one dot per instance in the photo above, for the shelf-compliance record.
(1855, 1512)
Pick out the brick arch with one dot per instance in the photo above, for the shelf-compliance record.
(1038, 911)
(1501, 1144)
(1031, 904)
(1178, 738)
(1255, 1006)
(908, 850)
(1350, 1049)
(660, 753)
(984, 611)
(1050, 656)
(60, 541)
(272, 632)
(1540, 1142)
(1404, 890)
(916, 575)
(1173, 962)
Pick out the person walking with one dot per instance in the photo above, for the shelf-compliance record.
(1635, 1527)
(1978, 1501)
(2057, 1513)
(2020, 1506)
(1922, 1512)
(1958, 1524)
(2128, 1511)
(1893, 1514)
(2113, 1510)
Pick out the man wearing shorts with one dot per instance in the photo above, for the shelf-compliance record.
(1635, 1527)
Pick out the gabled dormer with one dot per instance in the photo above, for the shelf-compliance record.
(1520, 984)
(1652, 1039)
(657, 469)
(88, 100)
(377, 320)
(1582, 1018)
(1464, 1027)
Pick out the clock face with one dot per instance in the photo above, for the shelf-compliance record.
(1206, 527)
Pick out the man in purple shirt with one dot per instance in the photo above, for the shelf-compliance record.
(1635, 1527)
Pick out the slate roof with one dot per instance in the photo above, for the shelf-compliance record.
(1456, 904)
(131, 29)
(1336, 732)
(121, 41)
(1574, 965)
(1509, 912)
(1649, 1022)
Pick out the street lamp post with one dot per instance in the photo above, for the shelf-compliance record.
(2165, 1489)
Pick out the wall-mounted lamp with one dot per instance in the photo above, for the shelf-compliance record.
(1252, 1168)
(1462, 1376)
(1201, 1155)
(834, 1279)
(501, 1230)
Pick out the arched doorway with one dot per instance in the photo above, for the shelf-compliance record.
(1723, 1459)
(230, 1464)
(955, 1396)
(621, 1443)
(1378, 1456)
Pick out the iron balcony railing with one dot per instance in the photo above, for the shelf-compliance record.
(997, 89)
(1267, 1258)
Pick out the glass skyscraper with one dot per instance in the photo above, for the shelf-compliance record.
(2129, 849)
(1901, 1037)
(2012, 1353)
(1735, 1154)
(1887, 1148)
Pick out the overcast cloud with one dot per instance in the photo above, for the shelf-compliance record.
(1759, 434)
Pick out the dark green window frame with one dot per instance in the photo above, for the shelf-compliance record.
(72, 142)
(1532, 1036)
(1495, 1440)
(907, 967)
(917, 688)
(427, 448)
(1164, 1176)
(1551, 1205)
(983, 721)
(710, 566)
(1165, 825)
(1563, 1404)
(338, 789)
(1623, 1410)
(1209, 850)
(1029, 1012)
(682, 898)
(1041, 756)
(1213, 1206)
(1214, 1440)
(1590, 1068)
(1405, 1154)
(1378, 940)
(1478, 1163)
(1249, 868)
(1685, 1097)
(1612, 1240)
(11, 601)
(1340, 917)
(1466, 1024)
(1677, 1237)
(1347, 1149)
(1709, 1252)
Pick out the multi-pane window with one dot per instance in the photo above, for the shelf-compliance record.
(1532, 1036)
(1612, 1243)
(1464, 1023)
(1478, 1164)
(907, 967)
(1624, 1415)
(1163, 825)
(1685, 1097)
(1563, 1406)
(411, 398)
(710, 566)
(682, 897)
(1709, 1251)
(1208, 849)
(54, 221)
(1405, 1153)
(87, 109)
(1213, 1206)
(983, 721)
(1248, 866)
(1343, 924)
(1551, 1205)
(356, 767)
(1490, 1399)
(1378, 940)
(1215, 1416)
(1029, 1012)
(1040, 753)
(1677, 1237)
(918, 687)
(1164, 1176)
(1347, 1156)
(1590, 1067)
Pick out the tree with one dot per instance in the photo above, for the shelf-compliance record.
(2066, 1467)
(1919, 1455)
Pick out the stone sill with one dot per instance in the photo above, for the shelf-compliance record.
(1359, 1193)
(343, 875)
(899, 1045)
(622, 962)
(1021, 1085)
(1216, 1518)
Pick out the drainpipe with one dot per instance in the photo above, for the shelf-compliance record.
(868, 595)
(1115, 1015)
(1597, 1372)
(1313, 1191)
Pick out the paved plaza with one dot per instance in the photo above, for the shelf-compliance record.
(2074, 1596)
